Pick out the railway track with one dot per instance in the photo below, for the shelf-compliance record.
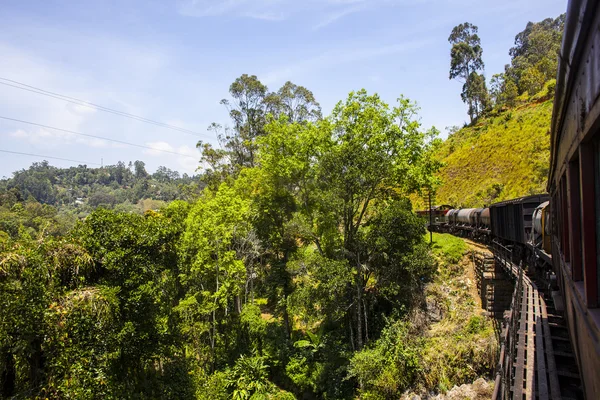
(536, 360)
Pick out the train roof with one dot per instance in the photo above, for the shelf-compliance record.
(443, 207)
(525, 199)
(579, 23)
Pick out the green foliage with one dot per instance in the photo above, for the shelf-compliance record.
(81, 343)
(211, 387)
(388, 367)
(136, 256)
(267, 285)
(32, 219)
(249, 379)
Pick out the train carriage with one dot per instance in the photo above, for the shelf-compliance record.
(574, 185)
(511, 220)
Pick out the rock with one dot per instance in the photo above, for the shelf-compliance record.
(478, 390)
(410, 396)
(483, 388)
(434, 312)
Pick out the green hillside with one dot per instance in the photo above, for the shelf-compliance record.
(500, 157)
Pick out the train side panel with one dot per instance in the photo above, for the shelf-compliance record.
(574, 184)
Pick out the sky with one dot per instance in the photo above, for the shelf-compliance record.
(173, 61)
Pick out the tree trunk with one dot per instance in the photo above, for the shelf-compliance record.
(214, 322)
(471, 110)
(252, 285)
(352, 335)
(238, 304)
(366, 323)
(37, 362)
(359, 317)
(9, 376)
(467, 83)
(286, 292)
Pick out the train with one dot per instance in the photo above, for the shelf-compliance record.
(522, 224)
(558, 234)
(574, 186)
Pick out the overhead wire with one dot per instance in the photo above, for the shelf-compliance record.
(73, 100)
(96, 137)
(50, 157)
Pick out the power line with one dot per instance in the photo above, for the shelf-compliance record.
(96, 137)
(55, 158)
(73, 100)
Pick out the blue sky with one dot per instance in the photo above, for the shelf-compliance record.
(172, 61)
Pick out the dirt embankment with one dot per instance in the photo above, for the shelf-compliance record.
(460, 344)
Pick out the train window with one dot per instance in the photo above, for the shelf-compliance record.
(575, 219)
(557, 218)
(564, 212)
(597, 213)
(589, 170)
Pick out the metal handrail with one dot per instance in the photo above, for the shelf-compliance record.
(509, 332)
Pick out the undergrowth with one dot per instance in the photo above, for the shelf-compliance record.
(448, 248)
(461, 345)
(449, 342)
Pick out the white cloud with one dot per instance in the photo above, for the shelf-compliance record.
(159, 147)
(336, 57)
(78, 109)
(19, 133)
(333, 17)
(48, 138)
(277, 10)
(185, 164)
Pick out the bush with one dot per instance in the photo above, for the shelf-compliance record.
(390, 366)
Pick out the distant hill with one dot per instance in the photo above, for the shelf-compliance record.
(81, 189)
(502, 156)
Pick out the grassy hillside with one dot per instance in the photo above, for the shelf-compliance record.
(501, 157)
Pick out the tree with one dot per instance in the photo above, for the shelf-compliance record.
(164, 174)
(247, 110)
(297, 103)
(102, 198)
(136, 273)
(214, 274)
(374, 149)
(465, 59)
(496, 90)
(37, 181)
(534, 58)
(522, 38)
(475, 94)
(140, 170)
(120, 172)
(249, 107)
(346, 166)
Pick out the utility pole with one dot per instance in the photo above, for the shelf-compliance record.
(430, 220)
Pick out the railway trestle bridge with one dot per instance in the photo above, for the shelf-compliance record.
(535, 359)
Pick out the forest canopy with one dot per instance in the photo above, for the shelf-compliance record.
(266, 282)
